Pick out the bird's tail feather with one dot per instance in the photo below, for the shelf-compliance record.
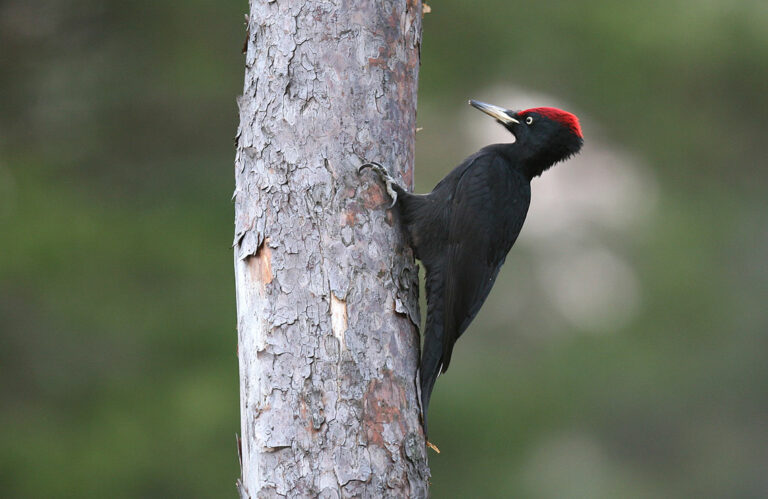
(430, 369)
(432, 351)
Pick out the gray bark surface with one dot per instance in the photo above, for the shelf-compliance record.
(326, 287)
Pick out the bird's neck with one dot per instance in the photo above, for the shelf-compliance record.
(530, 162)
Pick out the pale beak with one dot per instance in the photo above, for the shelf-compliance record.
(497, 112)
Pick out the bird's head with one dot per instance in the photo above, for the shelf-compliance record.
(543, 135)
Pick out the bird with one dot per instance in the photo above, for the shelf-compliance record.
(462, 230)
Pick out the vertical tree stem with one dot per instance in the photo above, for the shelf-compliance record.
(326, 288)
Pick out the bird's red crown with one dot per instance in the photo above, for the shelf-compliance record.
(563, 117)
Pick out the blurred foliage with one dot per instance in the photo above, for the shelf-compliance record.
(116, 290)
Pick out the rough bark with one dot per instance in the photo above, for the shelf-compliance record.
(326, 288)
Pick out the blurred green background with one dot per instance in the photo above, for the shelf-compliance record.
(621, 354)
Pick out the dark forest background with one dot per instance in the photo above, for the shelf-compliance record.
(621, 354)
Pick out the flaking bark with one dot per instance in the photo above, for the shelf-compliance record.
(326, 287)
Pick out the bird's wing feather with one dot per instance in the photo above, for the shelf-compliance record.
(488, 209)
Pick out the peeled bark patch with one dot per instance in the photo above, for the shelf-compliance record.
(260, 266)
(338, 319)
(326, 304)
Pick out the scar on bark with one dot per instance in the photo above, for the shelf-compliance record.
(260, 265)
(338, 319)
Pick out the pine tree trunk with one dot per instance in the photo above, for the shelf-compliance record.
(326, 287)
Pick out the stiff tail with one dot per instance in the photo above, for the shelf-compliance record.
(431, 359)
(432, 351)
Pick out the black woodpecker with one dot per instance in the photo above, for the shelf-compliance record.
(463, 229)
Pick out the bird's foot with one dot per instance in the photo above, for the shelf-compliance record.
(385, 177)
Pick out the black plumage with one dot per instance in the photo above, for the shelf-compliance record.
(463, 229)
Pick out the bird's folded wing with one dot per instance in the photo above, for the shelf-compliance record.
(487, 213)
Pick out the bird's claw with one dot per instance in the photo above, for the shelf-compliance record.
(370, 164)
(377, 167)
(383, 175)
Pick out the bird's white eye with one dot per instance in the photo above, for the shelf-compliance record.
(528, 120)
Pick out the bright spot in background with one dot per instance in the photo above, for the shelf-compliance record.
(572, 465)
(577, 208)
(592, 287)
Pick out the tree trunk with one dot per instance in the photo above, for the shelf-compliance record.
(326, 287)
